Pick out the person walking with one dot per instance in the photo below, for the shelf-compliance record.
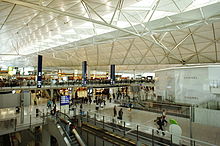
(160, 124)
(115, 111)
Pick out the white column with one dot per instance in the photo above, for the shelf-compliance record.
(51, 93)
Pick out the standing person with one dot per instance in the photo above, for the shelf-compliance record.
(90, 100)
(81, 108)
(130, 105)
(35, 101)
(164, 114)
(120, 114)
(115, 111)
(54, 109)
(54, 101)
(104, 102)
(113, 96)
(48, 104)
(97, 106)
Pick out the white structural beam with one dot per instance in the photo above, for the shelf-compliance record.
(149, 50)
(47, 9)
(164, 47)
(89, 15)
(151, 13)
(128, 50)
(35, 16)
(176, 6)
(116, 8)
(94, 11)
(214, 37)
(7, 16)
(130, 23)
(110, 58)
(176, 45)
(193, 40)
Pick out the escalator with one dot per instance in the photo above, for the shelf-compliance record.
(68, 126)
(100, 135)
(74, 141)
(91, 135)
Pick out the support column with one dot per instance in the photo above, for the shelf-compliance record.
(134, 74)
(22, 106)
(39, 72)
(84, 73)
(112, 75)
(23, 71)
(51, 93)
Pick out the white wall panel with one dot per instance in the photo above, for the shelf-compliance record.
(13, 100)
(207, 117)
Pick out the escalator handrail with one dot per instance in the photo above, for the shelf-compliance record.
(78, 138)
(65, 132)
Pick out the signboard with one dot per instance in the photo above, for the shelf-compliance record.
(64, 100)
(39, 72)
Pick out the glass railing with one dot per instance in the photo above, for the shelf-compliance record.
(138, 132)
(16, 124)
(158, 107)
(46, 83)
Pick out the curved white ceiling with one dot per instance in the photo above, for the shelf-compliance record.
(131, 34)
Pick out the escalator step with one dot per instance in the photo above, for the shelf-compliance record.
(72, 136)
(74, 143)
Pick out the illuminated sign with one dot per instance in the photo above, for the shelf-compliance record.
(65, 100)
(10, 70)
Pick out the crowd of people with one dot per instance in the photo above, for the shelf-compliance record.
(100, 102)
(31, 82)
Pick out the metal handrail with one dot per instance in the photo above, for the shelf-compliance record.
(78, 138)
(184, 138)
